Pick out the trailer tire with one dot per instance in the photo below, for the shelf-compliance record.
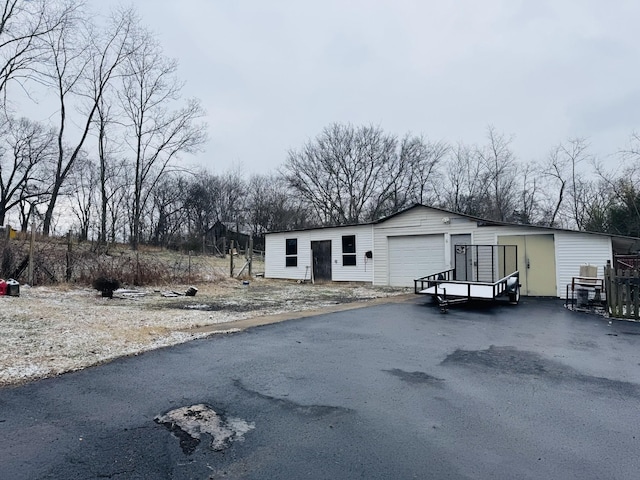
(514, 298)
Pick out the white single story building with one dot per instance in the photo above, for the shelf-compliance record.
(421, 240)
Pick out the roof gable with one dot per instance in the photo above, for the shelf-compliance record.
(427, 207)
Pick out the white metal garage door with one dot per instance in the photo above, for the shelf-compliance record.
(414, 256)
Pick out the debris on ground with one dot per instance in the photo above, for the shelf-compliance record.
(127, 293)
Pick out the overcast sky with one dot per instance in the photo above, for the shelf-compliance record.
(271, 74)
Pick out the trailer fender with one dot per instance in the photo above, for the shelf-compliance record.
(512, 284)
(513, 290)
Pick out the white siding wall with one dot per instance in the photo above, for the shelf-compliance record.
(361, 272)
(417, 221)
(572, 249)
(274, 259)
(575, 249)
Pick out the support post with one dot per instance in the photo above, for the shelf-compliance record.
(231, 258)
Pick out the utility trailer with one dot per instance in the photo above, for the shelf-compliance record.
(480, 272)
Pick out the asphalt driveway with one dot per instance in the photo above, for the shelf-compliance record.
(390, 391)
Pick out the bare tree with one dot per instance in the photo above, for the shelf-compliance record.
(555, 172)
(622, 189)
(410, 178)
(489, 182)
(425, 159)
(83, 63)
(600, 208)
(500, 165)
(156, 135)
(217, 198)
(576, 151)
(234, 193)
(119, 203)
(27, 147)
(202, 202)
(465, 182)
(24, 26)
(527, 210)
(566, 187)
(168, 210)
(272, 206)
(84, 182)
(111, 168)
(344, 173)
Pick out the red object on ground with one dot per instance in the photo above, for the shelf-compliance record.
(3, 287)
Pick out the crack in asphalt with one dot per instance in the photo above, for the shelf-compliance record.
(311, 410)
(512, 361)
(416, 377)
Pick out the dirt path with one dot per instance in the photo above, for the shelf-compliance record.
(281, 317)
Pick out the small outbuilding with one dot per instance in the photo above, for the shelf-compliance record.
(422, 240)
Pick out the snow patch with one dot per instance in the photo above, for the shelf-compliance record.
(190, 423)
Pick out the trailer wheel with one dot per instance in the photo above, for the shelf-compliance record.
(514, 297)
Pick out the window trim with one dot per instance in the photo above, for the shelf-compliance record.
(349, 254)
(290, 259)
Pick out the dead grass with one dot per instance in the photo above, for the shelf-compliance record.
(48, 331)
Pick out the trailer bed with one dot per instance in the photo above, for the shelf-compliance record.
(493, 274)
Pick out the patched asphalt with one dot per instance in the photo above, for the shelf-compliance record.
(394, 390)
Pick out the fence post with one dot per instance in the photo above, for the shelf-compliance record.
(607, 285)
(627, 294)
(137, 274)
(250, 253)
(69, 270)
(32, 241)
(636, 295)
(619, 293)
(231, 257)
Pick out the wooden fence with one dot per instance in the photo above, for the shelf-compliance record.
(623, 292)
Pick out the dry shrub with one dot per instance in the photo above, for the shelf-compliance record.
(54, 262)
(130, 269)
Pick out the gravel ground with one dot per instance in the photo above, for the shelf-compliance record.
(47, 331)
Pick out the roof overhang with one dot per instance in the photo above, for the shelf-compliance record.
(625, 245)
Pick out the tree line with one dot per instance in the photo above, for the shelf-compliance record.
(350, 174)
(117, 117)
(109, 155)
